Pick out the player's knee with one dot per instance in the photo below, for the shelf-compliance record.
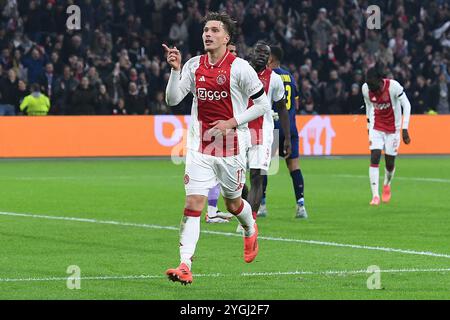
(375, 157)
(234, 206)
(195, 202)
(293, 164)
(256, 177)
(390, 163)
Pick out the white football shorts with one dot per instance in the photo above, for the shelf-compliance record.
(388, 142)
(204, 172)
(259, 156)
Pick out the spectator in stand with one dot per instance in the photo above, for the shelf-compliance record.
(114, 85)
(34, 64)
(22, 93)
(94, 78)
(179, 32)
(334, 95)
(355, 101)
(135, 101)
(159, 105)
(35, 104)
(47, 80)
(419, 93)
(321, 28)
(399, 45)
(120, 108)
(321, 35)
(308, 108)
(9, 94)
(439, 95)
(83, 99)
(65, 86)
(103, 104)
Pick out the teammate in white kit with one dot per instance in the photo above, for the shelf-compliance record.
(218, 135)
(260, 153)
(384, 100)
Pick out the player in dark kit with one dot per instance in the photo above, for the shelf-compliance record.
(292, 161)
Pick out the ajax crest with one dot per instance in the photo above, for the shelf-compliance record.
(221, 79)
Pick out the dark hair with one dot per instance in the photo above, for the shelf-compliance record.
(35, 87)
(277, 53)
(261, 43)
(228, 23)
(374, 73)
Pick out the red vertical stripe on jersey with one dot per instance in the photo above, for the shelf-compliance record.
(256, 125)
(384, 110)
(213, 90)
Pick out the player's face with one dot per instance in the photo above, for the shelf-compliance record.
(261, 54)
(214, 36)
(232, 49)
(374, 85)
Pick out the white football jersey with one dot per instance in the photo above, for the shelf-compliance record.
(263, 127)
(384, 110)
(221, 91)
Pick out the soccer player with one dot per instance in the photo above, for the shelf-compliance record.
(218, 135)
(214, 215)
(384, 100)
(292, 160)
(260, 153)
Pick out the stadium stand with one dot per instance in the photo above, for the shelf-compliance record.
(115, 63)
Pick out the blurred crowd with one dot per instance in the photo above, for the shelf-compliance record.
(115, 63)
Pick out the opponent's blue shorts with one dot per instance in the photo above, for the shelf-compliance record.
(294, 146)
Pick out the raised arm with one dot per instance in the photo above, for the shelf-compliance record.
(180, 82)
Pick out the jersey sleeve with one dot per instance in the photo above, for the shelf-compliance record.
(180, 83)
(248, 79)
(396, 89)
(278, 87)
(365, 93)
(399, 94)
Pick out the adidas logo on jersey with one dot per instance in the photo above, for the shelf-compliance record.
(202, 79)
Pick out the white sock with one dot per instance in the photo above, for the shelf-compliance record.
(374, 174)
(245, 218)
(189, 235)
(388, 176)
(212, 211)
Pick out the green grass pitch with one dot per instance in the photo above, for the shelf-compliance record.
(124, 234)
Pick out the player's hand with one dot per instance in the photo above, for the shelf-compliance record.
(221, 127)
(173, 57)
(287, 148)
(405, 136)
(275, 115)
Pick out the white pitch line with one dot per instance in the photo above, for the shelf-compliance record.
(341, 272)
(420, 179)
(228, 234)
(215, 275)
